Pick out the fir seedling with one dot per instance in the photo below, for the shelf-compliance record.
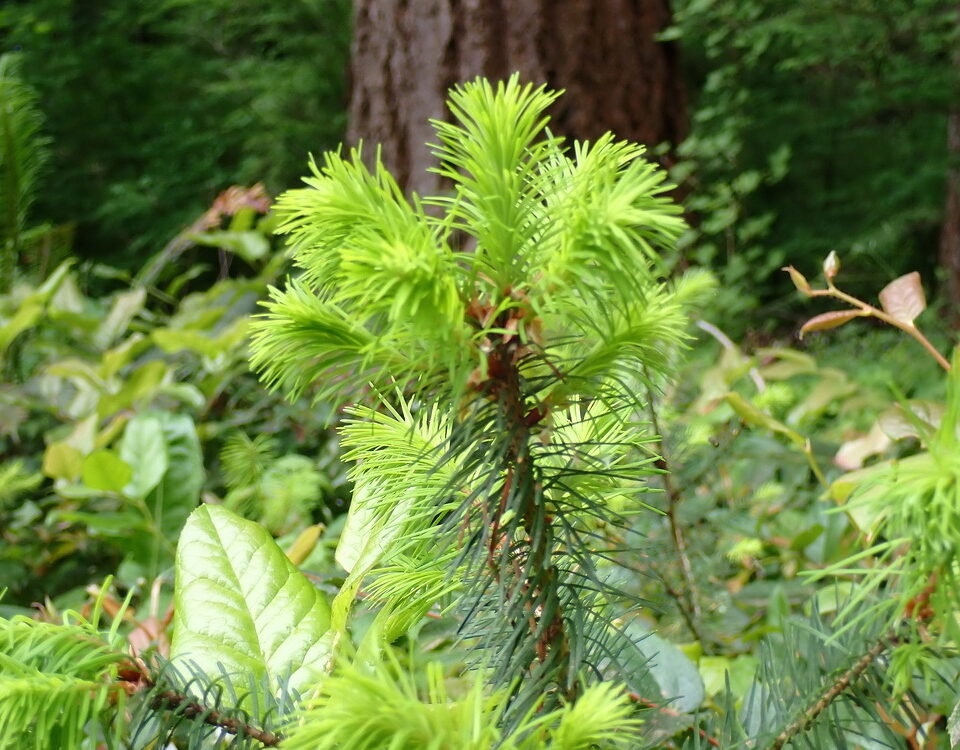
(492, 349)
(493, 345)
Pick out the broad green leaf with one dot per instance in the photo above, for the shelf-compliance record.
(125, 307)
(366, 536)
(144, 448)
(806, 537)
(177, 339)
(755, 417)
(84, 435)
(242, 607)
(109, 433)
(788, 364)
(831, 598)
(174, 287)
(105, 470)
(675, 675)
(107, 524)
(251, 246)
(79, 492)
(953, 726)
(26, 316)
(790, 355)
(173, 340)
(67, 298)
(32, 307)
(903, 298)
(714, 670)
(141, 385)
(170, 502)
(62, 461)
(121, 355)
(833, 386)
(186, 393)
(76, 370)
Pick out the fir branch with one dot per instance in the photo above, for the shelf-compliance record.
(667, 711)
(688, 600)
(183, 705)
(23, 151)
(833, 691)
(528, 346)
(165, 699)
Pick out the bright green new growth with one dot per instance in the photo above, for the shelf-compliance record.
(426, 717)
(55, 680)
(913, 507)
(386, 294)
(501, 336)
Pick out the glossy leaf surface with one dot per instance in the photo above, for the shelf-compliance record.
(242, 607)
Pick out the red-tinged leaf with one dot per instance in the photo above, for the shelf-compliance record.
(827, 320)
(903, 298)
(831, 265)
(798, 279)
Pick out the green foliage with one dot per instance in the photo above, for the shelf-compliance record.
(498, 455)
(22, 155)
(276, 617)
(504, 356)
(840, 583)
(201, 94)
(411, 716)
(55, 679)
(528, 348)
(279, 492)
(909, 505)
(16, 481)
(818, 125)
(115, 401)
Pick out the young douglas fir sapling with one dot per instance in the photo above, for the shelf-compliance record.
(491, 347)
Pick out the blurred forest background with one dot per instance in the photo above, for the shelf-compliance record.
(793, 129)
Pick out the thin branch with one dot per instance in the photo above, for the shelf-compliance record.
(909, 328)
(641, 701)
(834, 691)
(172, 700)
(135, 678)
(689, 605)
(683, 606)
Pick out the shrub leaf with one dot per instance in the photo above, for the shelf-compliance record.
(242, 607)
(827, 320)
(903, 298)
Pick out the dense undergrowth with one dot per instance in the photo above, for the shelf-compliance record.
(580, 515)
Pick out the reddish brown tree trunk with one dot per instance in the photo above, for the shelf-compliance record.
(604, 53)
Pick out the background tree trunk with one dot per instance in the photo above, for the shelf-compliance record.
(407, 53)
